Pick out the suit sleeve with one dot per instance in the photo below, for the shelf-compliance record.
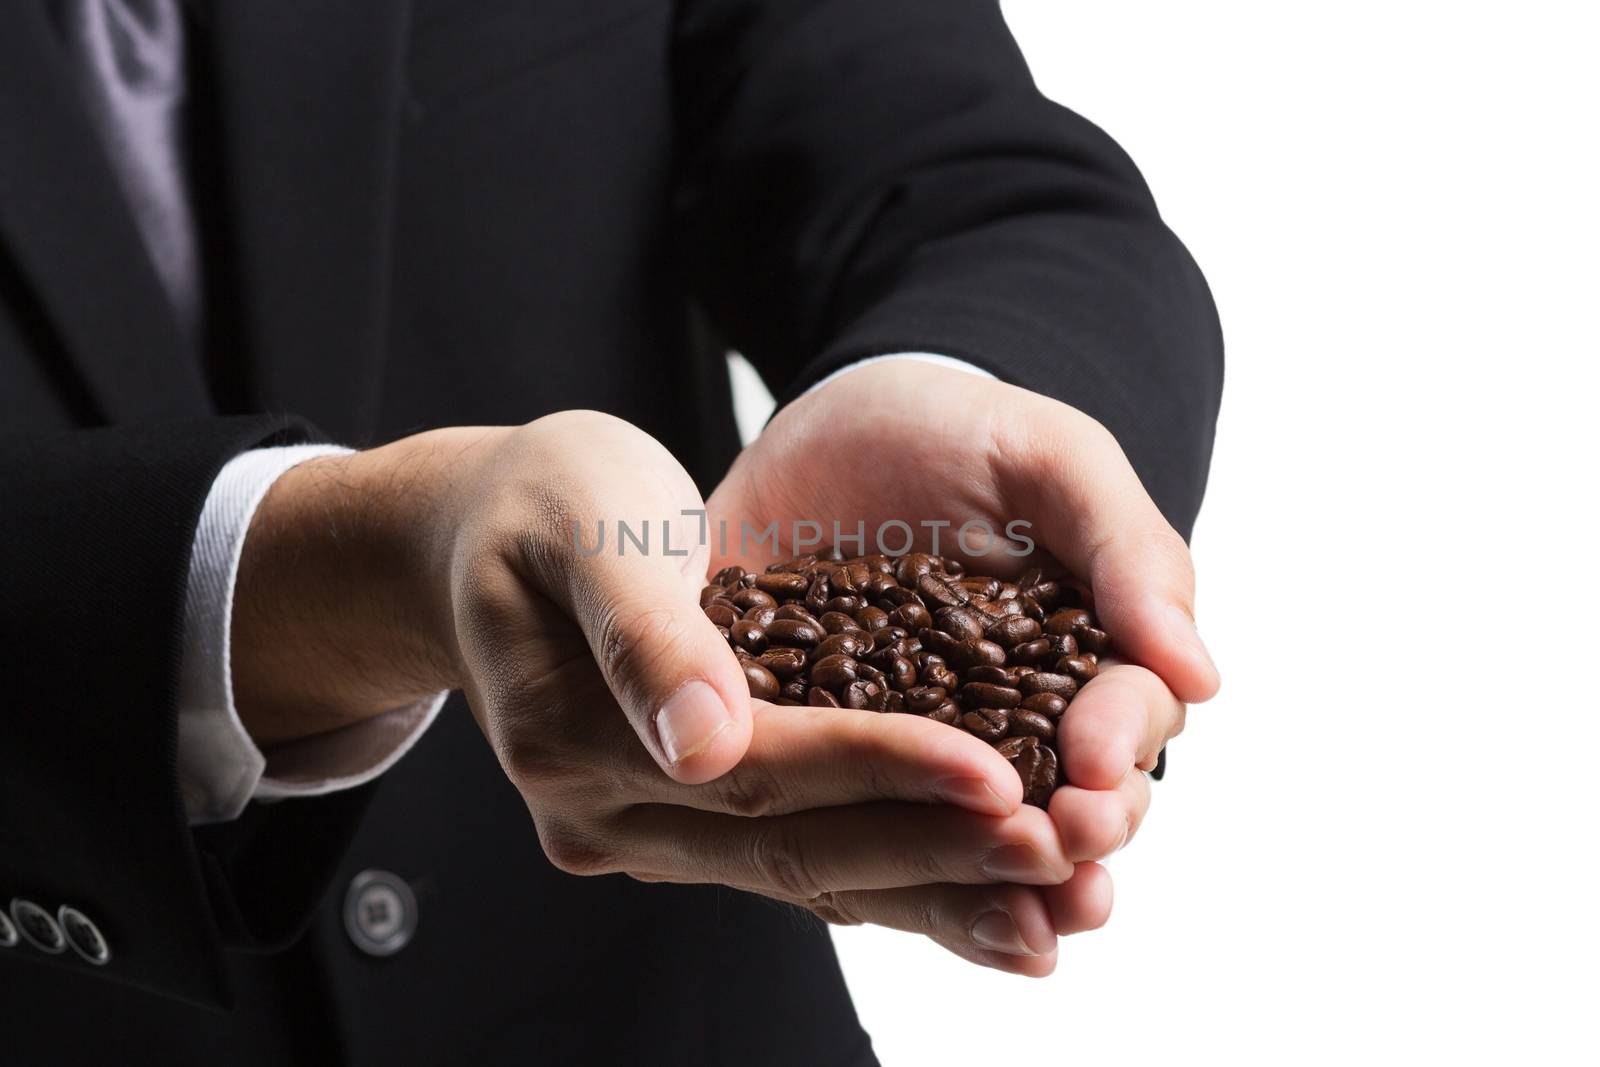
(99, 528)
(859, 179)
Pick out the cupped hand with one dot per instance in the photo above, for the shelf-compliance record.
(624, 719)
(903, 447)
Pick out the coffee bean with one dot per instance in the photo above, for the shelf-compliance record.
(1081, 668)
(846, 605)
(1061, 685)
(948, 713)
(1066, 621)
(817, 596)
(834, 672)
(990, 724)
(710, 593)
(1013, 630)
(850, 643)
(761, 616)
(797, 612)
(894, 701)
(992, 675)
(795, 689)
(728, 575)
(977, 653)
(924, 698)
(936, 591)
(912, 566)
(746, 599)
(860, 695)
(1049, 705)
(724, 615)
(1092, 639)
(782, 584)
(988, 695)
(784, 662)
(1035, 764)
(794, 633)
(838, 622)
(887, 637)
(1025, 723)
(1032, 652)
(872, 618)
(960, 622)
(763, 683)
(749, 636)
(900, 672)
(819, 697)
(912, 617)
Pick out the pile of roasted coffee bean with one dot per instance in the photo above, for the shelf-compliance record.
(915, 634)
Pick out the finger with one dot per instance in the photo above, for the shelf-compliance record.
(638, 606)
(1118, 721)
(1082, 904)
(1096, 517)
(869, 846)
(1007, 927)
(1094, 823)
(801, 758)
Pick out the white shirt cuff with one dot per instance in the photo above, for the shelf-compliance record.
(220, 769)
(921, 357)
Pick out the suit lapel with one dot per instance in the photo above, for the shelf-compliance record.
(310, 97)
(67, 225)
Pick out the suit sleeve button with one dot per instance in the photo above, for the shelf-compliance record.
(380, 913)
(83, 936)
(37, 927)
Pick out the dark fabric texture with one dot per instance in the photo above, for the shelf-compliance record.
(480, 211)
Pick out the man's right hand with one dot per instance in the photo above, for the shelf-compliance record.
(450, 559)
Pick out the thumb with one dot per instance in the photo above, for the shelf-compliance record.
(674, 675)
(1100, 522)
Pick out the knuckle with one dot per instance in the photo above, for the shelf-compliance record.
(836, 909)
(576, 851)
(782, 865)
(631, 641)
(749, 790)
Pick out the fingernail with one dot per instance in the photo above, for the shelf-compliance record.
(975, 794)
(997, 931)
(1023, 865)
(1183, 631)
(689, 720)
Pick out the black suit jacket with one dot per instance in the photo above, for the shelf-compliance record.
(480, 211)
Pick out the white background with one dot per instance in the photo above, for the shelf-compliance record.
(1380, 841)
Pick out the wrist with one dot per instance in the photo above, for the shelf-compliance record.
(341, 608)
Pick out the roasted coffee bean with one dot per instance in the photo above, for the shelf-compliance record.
(988, 588)
(912, 617)
(1061, 685)
(819, 697)
(1066, 621)
(1020, 671)
(948, 713)
(710, 593)
(888, 636)
(977, 653)
(1013, 630)
(726, 635)
(940, 643)
(894, 701)
(782, 584)
(745, 599)
(761, 616)
(817, 596)
(1092, 639)
(724, 615)
(1031, 608)
(797, 564)
(798, 613)
(795, 689)
(1032, 652)
(872, 618)
(846, 605)
(834, 672)
(896, 595)
(837, 622)
(749, 636)
(1081, 668)
(988, 695)
(1025, 723)
(912, 566)
(850, 643)
(992, 675)
(794, 633)
(924, 698)
(990, 724)
(900, 673)
(960, 622)
(1049, 705)
(855, 695)
(937, 593)
(784, 662)
(728, 575)
(763, 683)
(940, 675)
(1035, 764)
(879, 586)
(872, 674)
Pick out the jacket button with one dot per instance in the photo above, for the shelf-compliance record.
(37, 927)
(83, 936)
(380, 913)
(8, 931)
